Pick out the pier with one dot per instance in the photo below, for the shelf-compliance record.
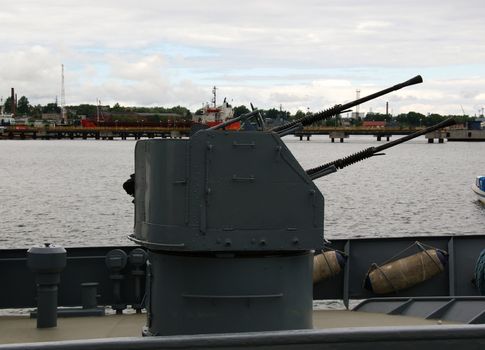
(341, 133)
(468, 135)
(21, 132)
(97, 133)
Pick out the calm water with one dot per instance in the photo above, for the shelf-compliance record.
(69, 192)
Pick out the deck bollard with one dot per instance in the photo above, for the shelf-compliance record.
(89, 295)
(47, 262)
(116, 260)
(138, 258)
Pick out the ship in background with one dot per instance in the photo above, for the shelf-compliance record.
(211, 115)
(131, 119)
(479, 188)
(208, 116)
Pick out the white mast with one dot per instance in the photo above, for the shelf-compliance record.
(63, 98)
(357, 108)
(214, 103)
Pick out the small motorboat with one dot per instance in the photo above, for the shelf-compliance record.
(479, 188)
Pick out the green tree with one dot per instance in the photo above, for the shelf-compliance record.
(415, 119)
(8, 105)
(86, 109)
(117, 108)
(272, 113)
(299, 114)
(331, 122)
(377, 117)
(51, 108)
(411, 119)
(240, 110)
(460, 119)
(182, 111)
(36, 111)
(23, 106)
(433, 119)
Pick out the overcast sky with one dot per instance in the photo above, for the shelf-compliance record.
(297, 54)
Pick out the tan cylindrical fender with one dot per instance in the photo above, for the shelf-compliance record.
(326, 265)
(405, 272)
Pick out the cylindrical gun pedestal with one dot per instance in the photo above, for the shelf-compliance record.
(210, 293)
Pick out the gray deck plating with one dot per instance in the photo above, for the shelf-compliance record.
(426, 337)
(21, 329)
(459, 309)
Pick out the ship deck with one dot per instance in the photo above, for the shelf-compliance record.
(22, 329)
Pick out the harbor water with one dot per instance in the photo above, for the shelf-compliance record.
(70, 192)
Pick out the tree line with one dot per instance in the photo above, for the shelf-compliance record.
(25, 108)
(415, 119)
(272, 115)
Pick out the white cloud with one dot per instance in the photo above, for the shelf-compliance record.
(371, 27)
(304, 54)
(146, 68)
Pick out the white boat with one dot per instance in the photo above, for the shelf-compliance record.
(479, 188)
(7, 119)
(212, 114)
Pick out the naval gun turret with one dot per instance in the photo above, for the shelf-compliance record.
(230, 221)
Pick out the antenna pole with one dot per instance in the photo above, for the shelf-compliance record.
(63, 97)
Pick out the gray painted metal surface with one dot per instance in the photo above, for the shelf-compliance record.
(84, 265)
(397, 338)
(88, 265)
(230, 220)
(47, 262)
(224, 191)
(458, 309)
(230, 293)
